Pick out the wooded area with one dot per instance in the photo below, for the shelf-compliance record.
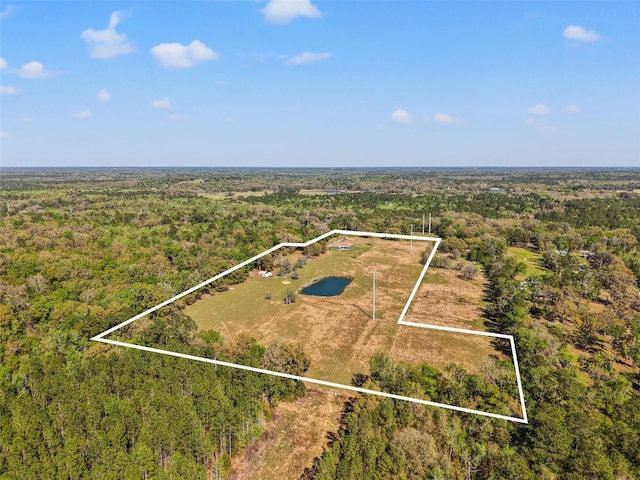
(83, 250)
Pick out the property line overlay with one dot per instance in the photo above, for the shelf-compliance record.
(101, 336)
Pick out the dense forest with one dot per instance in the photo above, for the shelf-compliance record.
(84, 249)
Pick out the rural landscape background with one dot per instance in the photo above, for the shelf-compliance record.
(556, 264)
(148, 146)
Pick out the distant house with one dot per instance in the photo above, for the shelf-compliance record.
(341, 245)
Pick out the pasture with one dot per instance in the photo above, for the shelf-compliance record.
(338, 333)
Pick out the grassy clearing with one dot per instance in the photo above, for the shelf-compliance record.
(295, 435)
(223, 195)
(532, 260)
(312, 191)
(338, 333)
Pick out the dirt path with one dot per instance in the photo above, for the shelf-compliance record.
(296, 434)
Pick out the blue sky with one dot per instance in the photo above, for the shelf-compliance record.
(305, 83)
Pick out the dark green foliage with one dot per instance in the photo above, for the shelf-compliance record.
(82, 250)
(125, 413)
(569, 434)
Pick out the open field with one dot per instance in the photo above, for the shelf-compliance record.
(445, 299)
(338, 333)
(296, 434)
(532, 260)
(223, 195)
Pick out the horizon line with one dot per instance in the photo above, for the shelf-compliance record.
(380, 167)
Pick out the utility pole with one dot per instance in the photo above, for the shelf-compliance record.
(423, 223)
(411, 242)
(429, 223)
(373, 300)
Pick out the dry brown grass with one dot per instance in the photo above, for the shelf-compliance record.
(337, 332)
(295, 435)
(447, 300)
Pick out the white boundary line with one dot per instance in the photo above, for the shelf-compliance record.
(100, 337)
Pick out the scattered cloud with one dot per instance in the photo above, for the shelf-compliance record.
(3, 63)
(283, 11)
(539, 124)
(104, 96)
(576, 32)
(572, 108)
(9, 90)
(4, 134)
(308, 57)
(25, 119)
(7, 11)
(82, 115)
(178, 117)
(230, 119)
(33, 70)
(539, 109)
(176, 55)
(294, 108)
(107, 43)
(163, 103)
(402, 116)
(443, 118)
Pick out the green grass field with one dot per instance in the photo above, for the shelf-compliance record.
(532, 260)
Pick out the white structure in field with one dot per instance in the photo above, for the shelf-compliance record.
(101, 337)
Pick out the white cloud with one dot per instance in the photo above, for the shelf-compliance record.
(308, 57)
(25, 119)
(3, 63)
(176, 55)
(163, 103)
(402, 116)
(33, 70)
(7, 11)
(540, 125)
(443, 118)
(539, 109)
(230, 119)
(178, 117)
(294, 108)
(572, 108)
(283, 11)
(104, 96)
(107, 43)
(82, 115)
(576, 32)
(4, 134)
(9, 90)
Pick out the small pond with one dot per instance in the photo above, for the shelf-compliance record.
(327, 287)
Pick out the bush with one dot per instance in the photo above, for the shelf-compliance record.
(290, 298)
(469, 272)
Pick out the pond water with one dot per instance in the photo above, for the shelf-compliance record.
(327, 287)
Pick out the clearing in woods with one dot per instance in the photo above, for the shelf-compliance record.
(295, 435)
(338, 333)
(419, 317)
